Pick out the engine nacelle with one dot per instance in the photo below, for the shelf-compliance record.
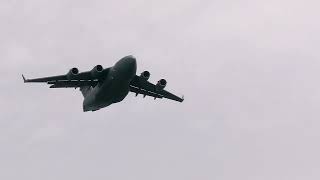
(145, 75)
(72, 73)
(161, 84)
(97, 71)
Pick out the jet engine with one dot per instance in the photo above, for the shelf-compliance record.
(72, 73)
(97, 71)
(145, 75)
(161, 84)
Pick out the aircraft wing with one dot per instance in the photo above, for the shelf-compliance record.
(63, 81)
(140, 86)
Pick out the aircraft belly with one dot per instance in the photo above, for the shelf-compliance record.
(104, 96)
(113, 90)
(115, 93)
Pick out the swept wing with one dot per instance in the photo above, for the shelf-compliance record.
(140, 86)
(66, 81)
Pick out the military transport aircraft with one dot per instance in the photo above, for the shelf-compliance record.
(103, 87)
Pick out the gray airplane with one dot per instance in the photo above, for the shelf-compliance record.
(102, 87)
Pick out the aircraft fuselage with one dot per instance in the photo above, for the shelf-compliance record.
(115, 86)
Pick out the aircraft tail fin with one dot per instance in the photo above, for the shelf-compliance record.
(85, 90)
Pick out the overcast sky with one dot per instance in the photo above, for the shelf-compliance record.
(249, 71)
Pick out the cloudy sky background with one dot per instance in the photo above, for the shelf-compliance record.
(249, 71)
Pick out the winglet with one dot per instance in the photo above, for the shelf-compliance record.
(182, 98)
(24, 79)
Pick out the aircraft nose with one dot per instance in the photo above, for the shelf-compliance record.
(126, 67)
(131, 60)
(131, 64)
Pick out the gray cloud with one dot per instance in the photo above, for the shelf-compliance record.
(249, 70)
